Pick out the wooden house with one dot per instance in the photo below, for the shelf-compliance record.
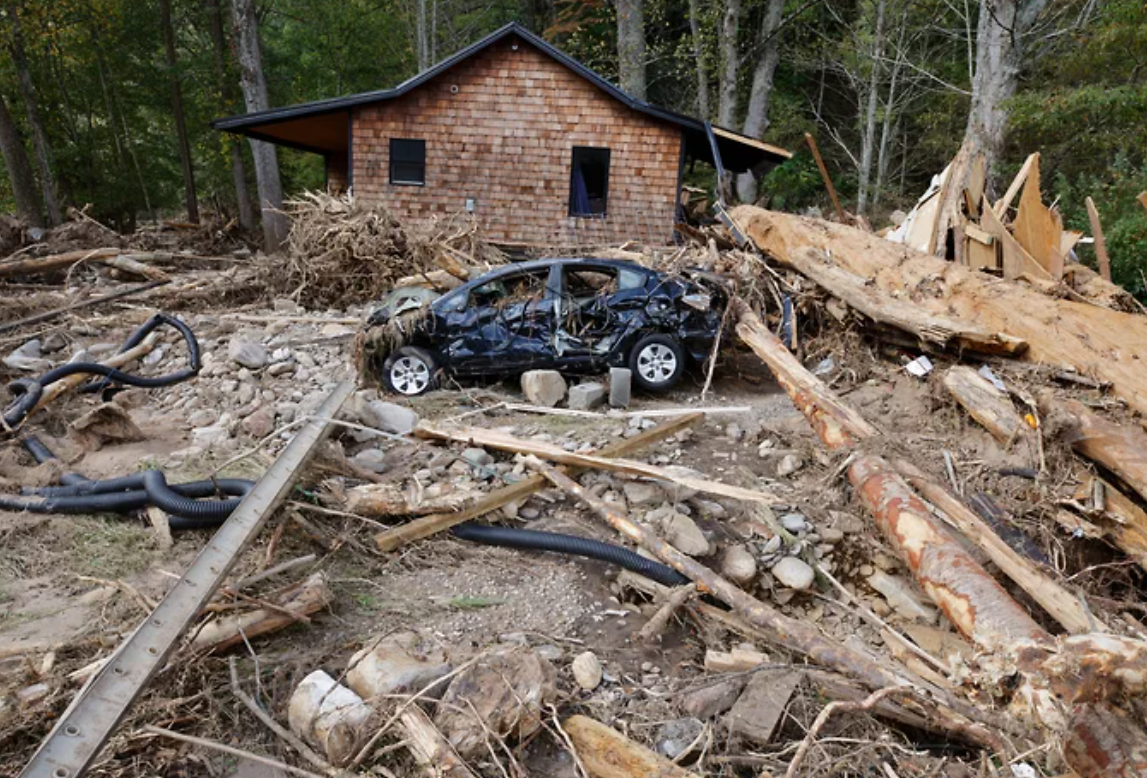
(540, 148)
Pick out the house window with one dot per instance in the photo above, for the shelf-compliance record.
(589, 181)
(407, 161)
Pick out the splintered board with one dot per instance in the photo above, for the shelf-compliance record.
(1038, 229)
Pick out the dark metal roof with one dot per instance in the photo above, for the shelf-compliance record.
(696, 137)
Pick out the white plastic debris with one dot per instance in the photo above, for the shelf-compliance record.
(920, 366)
(992, 378)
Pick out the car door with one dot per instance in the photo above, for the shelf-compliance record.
(505, 324)
(599, 306)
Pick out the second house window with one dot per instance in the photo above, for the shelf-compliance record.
(407, 161)
(589, 181)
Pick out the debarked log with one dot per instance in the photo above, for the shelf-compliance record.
(938, 330)
(296, 604)
(1119, 448)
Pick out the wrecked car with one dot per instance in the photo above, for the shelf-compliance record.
(578, 316)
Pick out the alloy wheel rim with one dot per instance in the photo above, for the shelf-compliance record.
(410, 375)
(656, 363)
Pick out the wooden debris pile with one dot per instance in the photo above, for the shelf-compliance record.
(955, 220)
(340, 251)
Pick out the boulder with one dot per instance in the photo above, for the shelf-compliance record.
(390, 417)
(400, 663)
(684, 534)
(587, 670)
(586, 397)
(793, 573)
(246, 353)
(508, 692)
(546, 388)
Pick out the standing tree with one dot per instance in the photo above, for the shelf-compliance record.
(868, 134)
(730, 59)
(631, 46)
(31, 106)
(761, 92)
(189, 196)
(19, 170)
(255, 96)
(225, 88)
(1001, 40)
(699, 56)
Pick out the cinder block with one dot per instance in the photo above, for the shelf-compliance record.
(620, 386)
(586, 397)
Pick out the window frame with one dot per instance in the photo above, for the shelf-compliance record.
(575, 152)
(395, 180)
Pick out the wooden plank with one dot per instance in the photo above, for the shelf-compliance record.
(1038, 229)
(985, 403)
(478, 436)
(1100, 243)
(429, 525)
(1002, 205)
(824, 175)
(977, 181)
(80, 733)
(979, 255)
(1015, 259)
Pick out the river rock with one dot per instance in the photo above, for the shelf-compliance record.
(793, 573)
(683, 533)
(739, 565)
(246, 353)
(587, 670)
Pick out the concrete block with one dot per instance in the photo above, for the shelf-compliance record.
(586, 397)
(620, 386)
(543, 387)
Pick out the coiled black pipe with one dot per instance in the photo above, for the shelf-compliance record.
(184, 504)
(28, 391)
(533, 540)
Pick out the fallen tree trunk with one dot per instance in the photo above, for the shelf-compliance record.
(39, 265)
(986, 404)
(1098, 342)
(941, 331)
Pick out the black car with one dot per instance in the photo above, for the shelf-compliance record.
(572, 315)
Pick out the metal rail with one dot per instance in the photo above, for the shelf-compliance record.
(84, 728)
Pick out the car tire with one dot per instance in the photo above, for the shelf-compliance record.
(410, 371)
(657, 363)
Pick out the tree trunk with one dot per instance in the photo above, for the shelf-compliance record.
(238, 172)
(727, 99)
(868, 138)
(631, 47)
(999, 54)
(19, 169)
(31, 106)
(757, 117)
(699, 58)
(189, 197)
(255, 96)
(423, 35)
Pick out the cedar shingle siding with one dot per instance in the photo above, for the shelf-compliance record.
(505, 138)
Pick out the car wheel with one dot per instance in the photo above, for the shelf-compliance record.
(409, 371)
(657, 362)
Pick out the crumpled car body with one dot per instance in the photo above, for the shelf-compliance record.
(578, 316)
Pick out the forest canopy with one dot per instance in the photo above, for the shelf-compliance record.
(110, 101)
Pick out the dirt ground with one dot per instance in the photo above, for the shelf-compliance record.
(71, 587)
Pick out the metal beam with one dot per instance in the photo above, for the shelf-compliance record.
(76, 740)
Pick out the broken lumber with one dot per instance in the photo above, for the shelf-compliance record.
(478, 436)
(606, 753)
(791, 634)
(825, 177)
(1121, 449)
(1061, 604)
(1038, 229)
(1002, 205)
(429, 525)
(1105, 344)
(429, 747)
(986, 404)
(384, 500)
(941, 331)
(296, 604)
(38, 265)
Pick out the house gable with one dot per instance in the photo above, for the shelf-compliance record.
(500, 127)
